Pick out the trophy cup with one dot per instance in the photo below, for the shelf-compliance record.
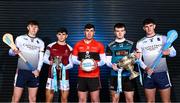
(127, 62)
(88, 64)
(55, 66)
(57, 61)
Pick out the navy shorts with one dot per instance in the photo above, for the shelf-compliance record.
(26, 78)
(88, 84)
(159, 80)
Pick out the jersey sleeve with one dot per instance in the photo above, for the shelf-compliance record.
(133, 48)
(75, 55)
(41, 54)
(102, 55)
(70, 64)
(108, 56)
(75, 50)
(47, 55)
(108, 51)
(139, 49)
(101, 46)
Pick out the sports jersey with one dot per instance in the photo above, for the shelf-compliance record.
(117, 50)
(150, 47)
(96, 52)
(32, 49)
(63, 51)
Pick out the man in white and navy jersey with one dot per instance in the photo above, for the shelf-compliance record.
(31, 47)
(149, 48)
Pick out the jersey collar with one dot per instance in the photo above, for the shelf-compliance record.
(120, 40)
(31, 36)
(89, 42)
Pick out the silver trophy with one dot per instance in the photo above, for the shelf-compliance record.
(57, 61)
(127, 62)
(88, 64)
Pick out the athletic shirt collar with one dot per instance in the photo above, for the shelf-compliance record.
(151, 36)
(31, 37)
(120, 40)
(89, 42)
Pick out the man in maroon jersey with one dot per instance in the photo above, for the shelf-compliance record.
(58, 56)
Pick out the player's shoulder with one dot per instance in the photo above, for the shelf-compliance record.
(141, 40)
(129, 42)
(69, 47)
(51, 44)
(40, 40)
(21, 36)
(98, 43)
(111, 43)
(79, 42)
(160, 35)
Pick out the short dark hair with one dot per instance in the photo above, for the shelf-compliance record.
(119, 25)
(33, 22)
(89, 26)
(148, 21)
(62, 29)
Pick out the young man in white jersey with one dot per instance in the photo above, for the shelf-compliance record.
(31, 47)
(60, 51)
(149, 48)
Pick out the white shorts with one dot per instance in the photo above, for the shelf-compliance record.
(62, 86)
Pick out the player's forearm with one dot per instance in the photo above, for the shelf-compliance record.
(40, 63)
(102, 60)
(70, 65)
(46, 57)
(142, 65)
(108, 61)
(75, 60)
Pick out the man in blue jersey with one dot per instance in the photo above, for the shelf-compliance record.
(149, 48)
(31, 47)
(115, 51)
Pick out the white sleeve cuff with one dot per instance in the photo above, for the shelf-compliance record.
(108, 61)
(75, 60)
(102, 59)
(11, 53)
(70, 65)
(172, 52)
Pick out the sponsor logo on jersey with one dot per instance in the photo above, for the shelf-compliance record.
(152, 47)
(32, 47)
(121, 53)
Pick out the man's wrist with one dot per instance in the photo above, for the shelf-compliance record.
(147, 68)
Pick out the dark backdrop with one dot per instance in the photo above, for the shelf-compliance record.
(74, 15)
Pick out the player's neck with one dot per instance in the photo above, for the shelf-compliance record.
(119, 40)
(61, 42)
(31, 35)
(87, 41)
(150, 35)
